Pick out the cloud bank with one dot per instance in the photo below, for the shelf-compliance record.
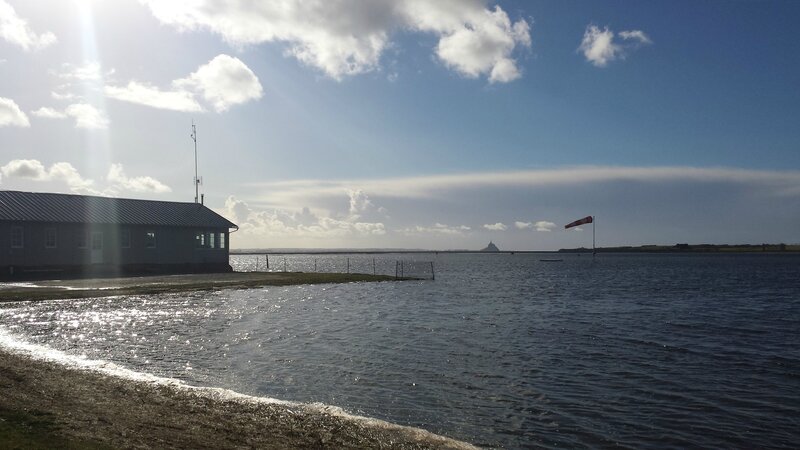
(348, 37)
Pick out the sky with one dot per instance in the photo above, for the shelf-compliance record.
(436, 124)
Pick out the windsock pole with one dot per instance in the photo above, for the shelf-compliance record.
(593, 247)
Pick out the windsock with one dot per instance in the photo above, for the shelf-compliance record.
(585, 220)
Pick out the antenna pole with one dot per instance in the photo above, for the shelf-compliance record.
(196, 180)
(593, 247)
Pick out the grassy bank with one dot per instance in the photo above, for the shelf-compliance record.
(106, 287)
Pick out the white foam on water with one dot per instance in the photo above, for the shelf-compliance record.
(16, 345)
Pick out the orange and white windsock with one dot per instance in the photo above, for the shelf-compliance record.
(585, 220)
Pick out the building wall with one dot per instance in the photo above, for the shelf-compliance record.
(173, 246)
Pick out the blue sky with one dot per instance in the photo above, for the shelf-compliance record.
(415, 123)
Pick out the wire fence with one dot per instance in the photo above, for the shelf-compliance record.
(357, 264)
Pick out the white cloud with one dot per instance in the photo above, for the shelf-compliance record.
(34, 170)
(87, 116)
(544, 225)
(483, 45)
(223, 82)
(84, 114)
(64, 96)
(636, 35)
(599, 47)
(523, 225)
(145, 94)
(258, 226)
(437, 228)
(118, 178)
(15, 30)
(49, 113)
(11, 115)
(89, 71)
(496, 226)
(348, 37)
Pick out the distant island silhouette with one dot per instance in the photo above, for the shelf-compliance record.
(490, 248)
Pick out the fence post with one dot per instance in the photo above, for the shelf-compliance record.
(267, 256)
(433, 274)
(256, 263)
(401, 268)
(396, 264)
(315, 265)
(284, 264)
(373, 266)
(348, 265)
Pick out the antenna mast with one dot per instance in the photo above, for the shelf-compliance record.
(196, 180)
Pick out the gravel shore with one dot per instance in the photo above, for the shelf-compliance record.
(85, 407)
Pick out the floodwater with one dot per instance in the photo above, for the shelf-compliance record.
(500, 350)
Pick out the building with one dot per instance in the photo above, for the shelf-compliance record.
(44, 235)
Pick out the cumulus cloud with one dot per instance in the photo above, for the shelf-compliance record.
(34, 170)
(223, 82)
(523, 225)
(261, 225)
(49, 113)
(483, 45)
(87, 116)
(88, 71)
(600, 48)
(544, 225)
(11, 115)
(117, 177)
(145, 94)
(496, 226)
(349, 37)
(16, 30)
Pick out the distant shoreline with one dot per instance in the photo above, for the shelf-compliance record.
(678, 248)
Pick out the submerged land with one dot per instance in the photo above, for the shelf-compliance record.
(108, 287)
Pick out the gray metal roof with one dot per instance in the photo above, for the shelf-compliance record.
(68, 208)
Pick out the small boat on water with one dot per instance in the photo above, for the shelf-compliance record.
(550, 260)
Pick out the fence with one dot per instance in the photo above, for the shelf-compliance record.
(364, 264)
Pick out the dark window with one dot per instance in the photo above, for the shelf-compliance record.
(50, 238)
(150, 239)
(16, 237)
(82, 238)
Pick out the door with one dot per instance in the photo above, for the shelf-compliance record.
(97, 247)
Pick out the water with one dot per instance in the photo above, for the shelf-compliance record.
(501, 350)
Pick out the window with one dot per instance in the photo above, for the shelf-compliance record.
(150, 239)
(16, 237)
(198, 239)
(82, 238)
(203, 240)
(50, 238)
(212, 239)
(222, 240)
(125, 238)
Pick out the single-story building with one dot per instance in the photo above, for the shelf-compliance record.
(45, 235)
